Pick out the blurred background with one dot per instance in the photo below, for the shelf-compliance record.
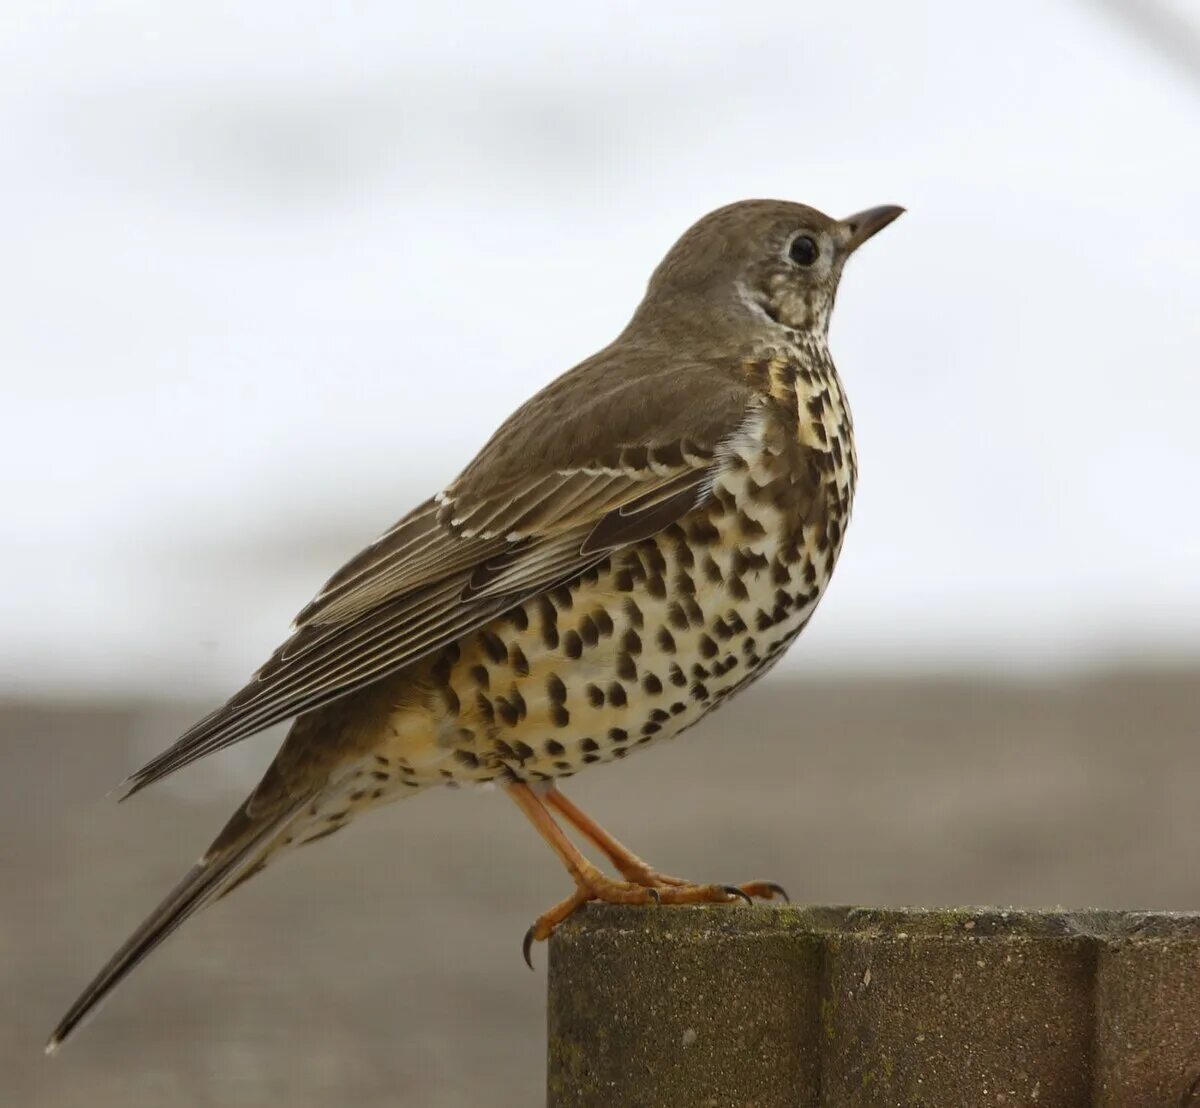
(272, 273)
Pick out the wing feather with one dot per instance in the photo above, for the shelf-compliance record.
(484, 546)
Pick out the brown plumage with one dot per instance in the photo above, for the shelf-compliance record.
(639, 541)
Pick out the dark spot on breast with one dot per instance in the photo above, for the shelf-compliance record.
(383, 761)
(563, 599)
(495, 648)
(555, 689)
(379, 775)
(676, 616)
(618, 734)
(626, 667)
(712, 571)
(519, 618)
(572, 645)
(651, 685)
(554, 747)
(548, 616)
(631, 641)
(591, 759)
(503, 749)
(588, 744)
(559, 716)
(595, 695)
(484, 706)
(666, 641)
(699, 691)
(698, 671)
(659, 716)
(651, 728)
(708, 648)
(603, 621)
(676, 676)
(588, 631)
(695, 613)
(678, 708)
(479, 674)
(616, 695)
(523, 751)
(722, 629)
(749, 527)
(623, 580)
(517, 659)
(467, 758)
(633, 613)
(507, 712)
(656, 586)
(562, 765)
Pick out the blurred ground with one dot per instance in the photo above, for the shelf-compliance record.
(383, 967)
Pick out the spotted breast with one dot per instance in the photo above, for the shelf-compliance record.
(644, 644)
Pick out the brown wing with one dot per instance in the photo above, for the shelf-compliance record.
(501, 533)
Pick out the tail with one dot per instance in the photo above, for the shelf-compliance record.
(237, 854)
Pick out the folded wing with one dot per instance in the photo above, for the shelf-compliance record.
(542, 503)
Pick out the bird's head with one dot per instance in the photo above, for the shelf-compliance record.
(766, 262)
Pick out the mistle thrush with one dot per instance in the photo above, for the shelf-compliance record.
(642, 539)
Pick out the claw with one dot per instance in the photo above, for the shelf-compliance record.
(779, 890)
(527, 946)
(655, 897)
(733, 890)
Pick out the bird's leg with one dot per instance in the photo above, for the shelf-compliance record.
(591, 884)
(628, 864)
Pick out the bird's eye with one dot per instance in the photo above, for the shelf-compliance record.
(804, 251)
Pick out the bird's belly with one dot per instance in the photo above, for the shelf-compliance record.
(635, 650)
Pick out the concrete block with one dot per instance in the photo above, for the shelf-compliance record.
(736, 1007)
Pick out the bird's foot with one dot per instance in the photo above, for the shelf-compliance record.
(640, 873)
(644, 886)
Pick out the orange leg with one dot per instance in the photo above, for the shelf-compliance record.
(628, 864)
(644, 886)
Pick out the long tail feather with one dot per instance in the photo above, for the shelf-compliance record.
(224, 866)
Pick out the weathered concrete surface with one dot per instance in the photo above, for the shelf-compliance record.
(839, 1008)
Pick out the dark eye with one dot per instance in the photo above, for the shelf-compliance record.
(804, 251)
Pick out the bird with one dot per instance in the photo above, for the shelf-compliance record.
(637, 543)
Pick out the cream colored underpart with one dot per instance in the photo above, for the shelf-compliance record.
(625, 656)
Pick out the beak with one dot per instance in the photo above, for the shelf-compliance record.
(860, 227)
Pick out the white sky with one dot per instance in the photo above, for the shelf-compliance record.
(271, 273)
